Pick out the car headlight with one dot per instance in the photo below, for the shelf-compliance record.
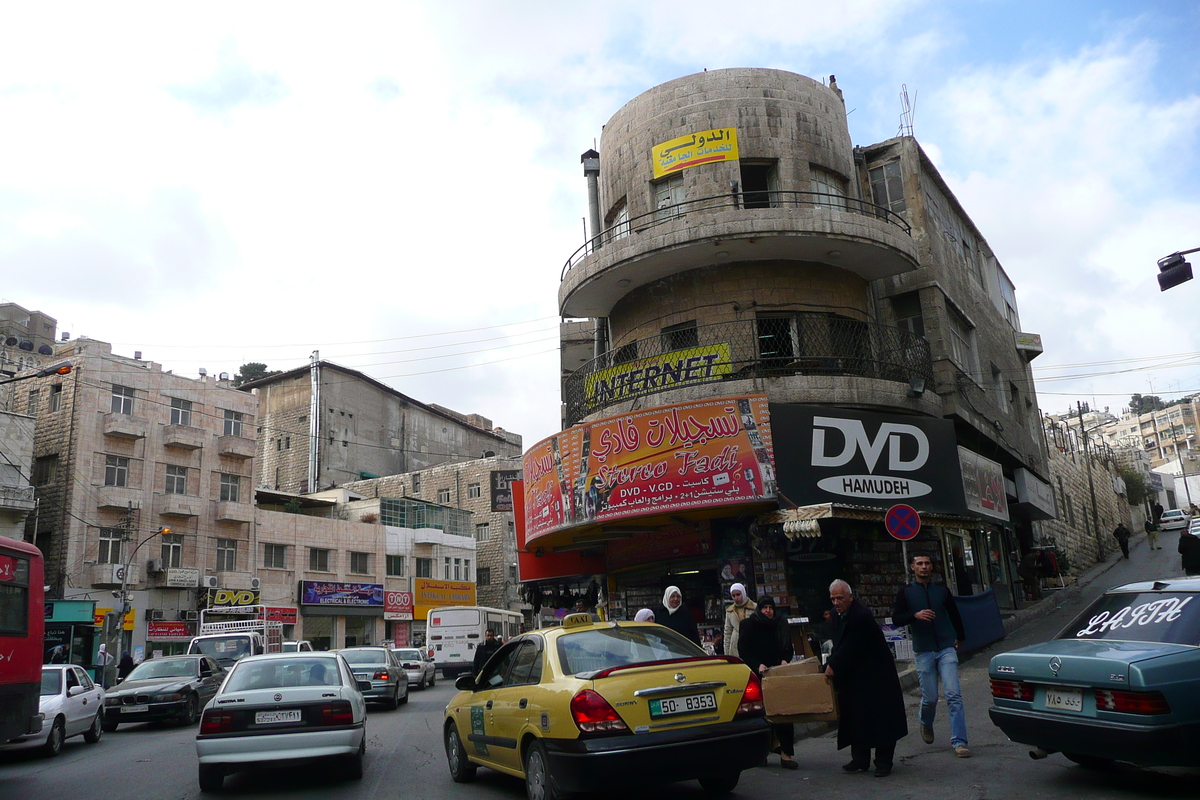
(112, 701)
(165, 698)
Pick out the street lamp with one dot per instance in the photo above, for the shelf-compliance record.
(125, 583)
(61, 368)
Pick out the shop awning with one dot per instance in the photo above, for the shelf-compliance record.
(802, 522)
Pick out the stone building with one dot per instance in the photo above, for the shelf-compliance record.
(791, 334)
(26, 338)
(16, 471)
(355, 427)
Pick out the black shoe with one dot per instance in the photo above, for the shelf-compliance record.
(789, 764)
(854, 766)
(883, 772)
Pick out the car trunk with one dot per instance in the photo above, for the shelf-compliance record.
(1082, 662)
(675, 694)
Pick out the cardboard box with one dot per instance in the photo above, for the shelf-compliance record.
(799, 692)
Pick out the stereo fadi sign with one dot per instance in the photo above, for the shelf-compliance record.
(836, 455)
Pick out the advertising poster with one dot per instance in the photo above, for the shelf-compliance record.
(547, 486)
(331, 593)
(229, 598)
(694, 149)
(983, 484)
(502, 493)
(398, 605)
(653, 374)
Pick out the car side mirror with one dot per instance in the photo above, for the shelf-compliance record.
(75, 690)
(465, 683)
(364, 686)
(120, 680)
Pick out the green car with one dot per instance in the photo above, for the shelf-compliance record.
(1120, 683)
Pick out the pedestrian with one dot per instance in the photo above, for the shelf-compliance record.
(735, 613)
(1152, 535)
(764, 642)
(1158, 511)
(929, 611)
(124, 666)
(1030, 572)
(1189, 550)
(1122, 535)
(645, 615)
(484, 651)
(103, 660)
(673, 613)
(870, 704)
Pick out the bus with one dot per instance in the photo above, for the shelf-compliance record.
(455, 631)
(22, 629)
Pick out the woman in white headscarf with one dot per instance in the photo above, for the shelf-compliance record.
(645, 615)
(674, 614)
(741, 607)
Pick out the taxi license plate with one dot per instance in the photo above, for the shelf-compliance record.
(1064, 699)
(690, 704)
(142, 709)
(274, 717)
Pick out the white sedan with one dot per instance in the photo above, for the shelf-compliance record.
(421, 669)
(1174, 520)
(280, 709)
(72, 704)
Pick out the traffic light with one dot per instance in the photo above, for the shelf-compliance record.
(1172, 271)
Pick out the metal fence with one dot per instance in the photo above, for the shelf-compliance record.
(769, 346)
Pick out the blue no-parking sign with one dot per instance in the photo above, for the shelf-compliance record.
(902, 522)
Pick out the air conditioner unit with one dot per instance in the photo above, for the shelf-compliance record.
(189, 616)
(208, 582)
(154, 565)
(255, 584)
(154, 614)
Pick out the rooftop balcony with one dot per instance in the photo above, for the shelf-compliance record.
(859, 237)
(802, 345)
(124, 426)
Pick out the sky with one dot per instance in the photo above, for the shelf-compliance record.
(397, 185)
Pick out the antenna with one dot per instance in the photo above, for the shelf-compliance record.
(907, 111)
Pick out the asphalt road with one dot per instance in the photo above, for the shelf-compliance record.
(405, 756)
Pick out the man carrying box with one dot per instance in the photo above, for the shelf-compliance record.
(937, 631)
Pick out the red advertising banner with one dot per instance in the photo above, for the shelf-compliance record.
(166, 631)
(284, 614)
(397, 605)
(691, 455)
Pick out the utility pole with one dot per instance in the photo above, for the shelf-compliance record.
(1087, 457)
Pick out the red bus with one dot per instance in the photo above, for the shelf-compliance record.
(22, 627)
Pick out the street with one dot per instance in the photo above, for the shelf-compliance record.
(405, 755)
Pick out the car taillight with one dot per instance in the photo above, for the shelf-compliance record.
(752, 697)
(1132, 702)
(593, 714)
(431, 652)
(216, 720)
(1012, 690)
(337, 713)
(380, 675)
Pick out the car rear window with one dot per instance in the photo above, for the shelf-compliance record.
(163, 668)
(592, 650)
(455, 619)
(1167, 617)
(365, 656)
(278, 673)
(408, 655)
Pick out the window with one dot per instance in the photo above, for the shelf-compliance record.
(424, 567)
(1014, 399)
(416, 483)
(110, 546)
(172, 550)
(56, 397)
(360, 563)
(443, 495)
(318, 559)
(512, 532)
(998, 388)
(233, 423)
(45, 469)
(230, 488)
(680, 337)
(483, 531)
(116, 471)
(512, 572)
(446, 569)
(466, 569)
(483, 577)
(287, 443)
(625, 353)
(226, 555)
(758, 183)
(887, 186)
(395, 566)
(122, 399)
(962, 343)
(907, 308)
(31, 405)
(278, 445)
(829, 188)
(176, 480)
(473, 490)
(275, 556)
(618, 220)
(776, 343)
(667, 194)
(458, 569)
(181, 411)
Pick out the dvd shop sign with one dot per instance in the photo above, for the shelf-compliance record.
(398, 605)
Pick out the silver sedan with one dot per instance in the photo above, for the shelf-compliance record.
(72, 704)
(421, 669)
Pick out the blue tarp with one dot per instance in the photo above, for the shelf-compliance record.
(981, 619)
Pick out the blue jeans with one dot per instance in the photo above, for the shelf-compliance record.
(944, 664)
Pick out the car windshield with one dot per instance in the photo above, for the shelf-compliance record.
(1173, 515)
(225, 649)
(164, 668)
(51, 682)
(291, 647)
(275, 673)
(592, 650)
(365, 656)
(408, 655)
(1167, 617)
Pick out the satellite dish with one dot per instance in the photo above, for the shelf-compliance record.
(26, 345)
(45, 349)
(10, 341)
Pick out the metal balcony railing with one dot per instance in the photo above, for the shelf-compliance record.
(748, 202)
(774, 346)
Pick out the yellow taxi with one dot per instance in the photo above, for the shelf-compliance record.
(590, 705)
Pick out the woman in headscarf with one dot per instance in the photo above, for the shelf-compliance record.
(764, 642)
(645, 615)
(741, 607)
(674, 614)
(124, 666)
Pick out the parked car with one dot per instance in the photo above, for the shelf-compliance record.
(1120, 683)
(389, 681)
(421, 669)
(302, 646)
(1194, 526)
(1174, 520)
(594, 706)
(283, 708)
(71, 704)
(171, 688)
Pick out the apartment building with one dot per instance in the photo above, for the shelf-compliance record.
(16, 468)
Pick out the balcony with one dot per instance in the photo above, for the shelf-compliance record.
(16, 498)
(118, 497)
(234, 512)
(806, 344)
(123, 426)
(859, 237)
(179, 505)
(185, 437)
(110, 574)
(235, 447)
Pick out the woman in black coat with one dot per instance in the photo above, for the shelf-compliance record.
(674, 614)
(764, 642)
(870, 703)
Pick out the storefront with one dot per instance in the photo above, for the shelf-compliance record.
(339, 615)
(73, 633)
(168, 638)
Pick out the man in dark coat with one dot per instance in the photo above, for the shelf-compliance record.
(764, 642)
(870, 704)
(675, 615)
(1189, 549)
(1122, 534)
(485, 650)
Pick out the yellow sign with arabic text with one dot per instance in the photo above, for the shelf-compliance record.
(694, 149)
(655, 373)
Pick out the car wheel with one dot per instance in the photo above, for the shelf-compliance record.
(55, 739)
(392, 702)
(539, 783)
(1089, 762)
(421, 685)
(191, 710)
(93, 734)
(461, 770)
(354, 764)
(404, 699)
(433, 678)
(211, 778)
(720, 785)
(109, 727)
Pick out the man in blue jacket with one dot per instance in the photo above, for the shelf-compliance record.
(928, 609)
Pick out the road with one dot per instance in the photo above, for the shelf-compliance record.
(405, 757)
